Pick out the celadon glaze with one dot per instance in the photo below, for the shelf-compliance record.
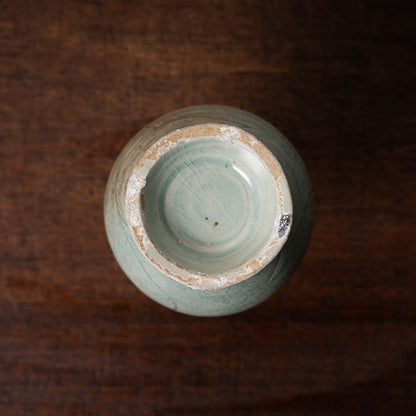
(205, 204)
(211, 205)
(208, 210)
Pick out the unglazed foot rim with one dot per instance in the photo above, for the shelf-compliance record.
(226, 136)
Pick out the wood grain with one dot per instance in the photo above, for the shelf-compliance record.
(78, 79)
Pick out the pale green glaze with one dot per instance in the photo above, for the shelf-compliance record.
(217, 200)
(210, 205)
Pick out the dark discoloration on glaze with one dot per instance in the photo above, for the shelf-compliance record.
(284, 224)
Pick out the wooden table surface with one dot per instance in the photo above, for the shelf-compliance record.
(78, 79)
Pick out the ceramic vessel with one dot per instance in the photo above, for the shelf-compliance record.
(208, 210)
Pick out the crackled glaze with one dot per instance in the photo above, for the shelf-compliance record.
(208, 210)
(215, 197)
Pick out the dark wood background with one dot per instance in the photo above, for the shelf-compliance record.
(78, 79)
